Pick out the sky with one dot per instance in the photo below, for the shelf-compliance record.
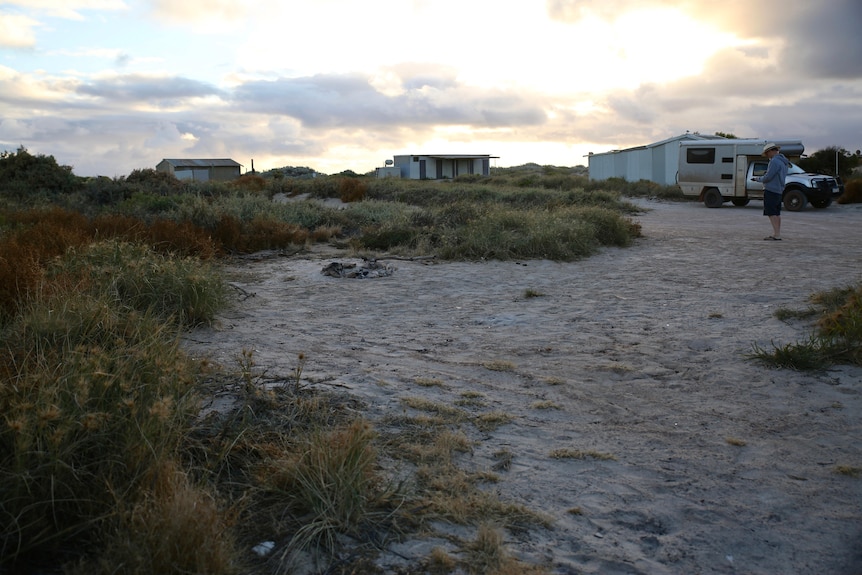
(109, 86)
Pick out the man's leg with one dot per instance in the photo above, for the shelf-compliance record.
(776, 226)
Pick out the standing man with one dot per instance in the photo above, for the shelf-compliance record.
(773, 187)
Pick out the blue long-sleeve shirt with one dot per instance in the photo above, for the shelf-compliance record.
(776, 173)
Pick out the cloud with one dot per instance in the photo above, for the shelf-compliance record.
(826, 42)
(819, 40)
(343, 101)
(17, 31)
(574, 10)
(165, 91)
(68, 9)
(351, 100)
(740, 91)
(209, 16)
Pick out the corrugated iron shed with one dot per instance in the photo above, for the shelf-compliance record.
(656, 162)
(203, 163)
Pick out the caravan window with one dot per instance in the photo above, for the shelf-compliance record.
(759, 168)
(700, 155)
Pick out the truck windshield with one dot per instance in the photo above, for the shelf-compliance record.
(794, 169)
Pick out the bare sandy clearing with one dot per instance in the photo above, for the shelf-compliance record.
(637, 353)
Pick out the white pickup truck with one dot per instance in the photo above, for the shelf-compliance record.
(720, 170)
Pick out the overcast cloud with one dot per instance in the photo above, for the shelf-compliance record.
(109, 86)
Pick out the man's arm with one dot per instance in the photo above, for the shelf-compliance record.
(771, 171)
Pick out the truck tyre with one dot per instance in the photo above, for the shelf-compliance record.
(794, 200)
(712, 198)
(822, 202)
(739, 202)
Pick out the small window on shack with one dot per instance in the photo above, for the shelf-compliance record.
(700, 155)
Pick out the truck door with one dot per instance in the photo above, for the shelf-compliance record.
(739, 176)
(757, 169)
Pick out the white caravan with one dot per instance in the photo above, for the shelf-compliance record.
(720, 170)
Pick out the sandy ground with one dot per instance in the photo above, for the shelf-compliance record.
(639, 353)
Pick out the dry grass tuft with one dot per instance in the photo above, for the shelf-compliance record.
(499, 365)
(487, 555)
(177, 528)
(848, 470)
(439, 562)
(546, 404)
(447, 412)
(504, 459)
(429, 382)
(852, 193)
(491, 421)
(580, 454)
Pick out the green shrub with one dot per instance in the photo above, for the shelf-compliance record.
(105, 191)
(23, 174)
(184, 289)
(563, 234)
(610, 228)
(390, 238)
(154, 181)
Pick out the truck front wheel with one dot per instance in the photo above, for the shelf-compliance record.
(739, 202)
(712, 198)
(794, 200)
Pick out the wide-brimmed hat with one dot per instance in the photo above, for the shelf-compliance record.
(770, 146)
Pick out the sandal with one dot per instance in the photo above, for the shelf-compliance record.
(773, 238)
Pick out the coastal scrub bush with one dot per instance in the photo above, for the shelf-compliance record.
(89, 408)
(24, 175)
(351, 190)
(837, 337)
(564, 234)
(154, 181)
(97, 400)
(610, 228)
(183, 289)
(177, 527)
(852, 192)
(249, 183)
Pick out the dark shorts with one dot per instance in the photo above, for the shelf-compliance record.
(771, 204)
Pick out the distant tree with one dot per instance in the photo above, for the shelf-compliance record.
(300, 172)
(824, 162)
(348, 174)
(153, 180)
(22, 174)
(728, 135)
